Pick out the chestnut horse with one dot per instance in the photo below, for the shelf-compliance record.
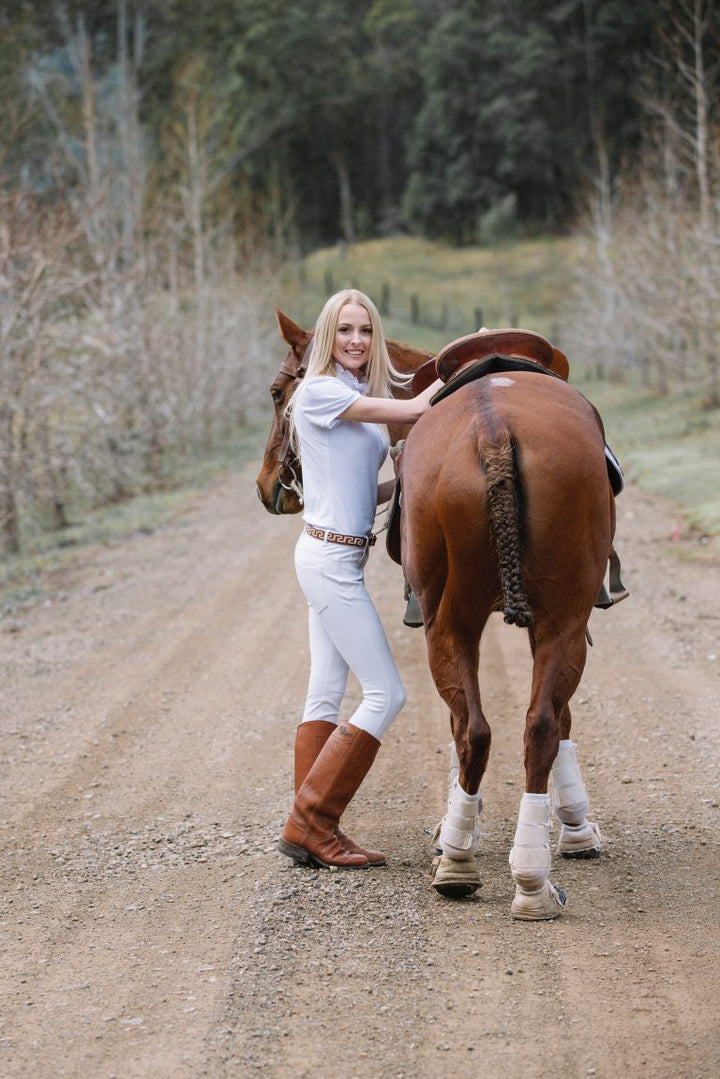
(507, 506)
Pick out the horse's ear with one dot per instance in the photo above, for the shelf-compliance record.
(560, 364)
(294, 335)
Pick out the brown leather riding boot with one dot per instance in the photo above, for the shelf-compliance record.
(310, 738)
(309, 834)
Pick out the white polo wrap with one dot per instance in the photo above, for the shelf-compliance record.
(530, 857)
(459, 830)
(570, 800)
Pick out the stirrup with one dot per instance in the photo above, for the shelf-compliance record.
(413, 615)
(617, 591)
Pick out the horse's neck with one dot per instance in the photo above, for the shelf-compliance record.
(406, 358)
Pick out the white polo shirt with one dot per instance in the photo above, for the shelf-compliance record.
(340, 458)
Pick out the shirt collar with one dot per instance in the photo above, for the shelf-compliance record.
(349, 379)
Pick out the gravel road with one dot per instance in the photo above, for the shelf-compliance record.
(150, 930)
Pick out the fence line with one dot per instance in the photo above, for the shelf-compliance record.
(412, 308)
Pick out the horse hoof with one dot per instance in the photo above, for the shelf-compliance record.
(455, 879)
(592, 852)
(582, 841)
(538, 906)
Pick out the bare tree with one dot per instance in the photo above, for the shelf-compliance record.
(126, 309)
(648, 292)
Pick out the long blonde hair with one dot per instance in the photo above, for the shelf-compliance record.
(378, 371)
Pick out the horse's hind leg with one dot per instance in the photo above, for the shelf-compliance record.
(536, 899)
(579, 837)
(453, 661)
(557, 665)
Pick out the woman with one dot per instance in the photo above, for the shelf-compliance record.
(338, 416)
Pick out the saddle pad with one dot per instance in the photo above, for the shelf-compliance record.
(490, 365)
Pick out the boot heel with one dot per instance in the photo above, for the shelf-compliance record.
(298, 854)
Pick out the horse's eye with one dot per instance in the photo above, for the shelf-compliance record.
(276, 394)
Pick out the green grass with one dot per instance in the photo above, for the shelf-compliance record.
(517, 284)
(667, 445)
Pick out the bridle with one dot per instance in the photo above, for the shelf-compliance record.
(288, 463)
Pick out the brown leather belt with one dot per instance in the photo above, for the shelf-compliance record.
(340, 537)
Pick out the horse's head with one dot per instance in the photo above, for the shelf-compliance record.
(279, 481)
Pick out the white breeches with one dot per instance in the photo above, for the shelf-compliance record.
(345, 635)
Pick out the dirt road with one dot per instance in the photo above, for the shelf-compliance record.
(149, 929)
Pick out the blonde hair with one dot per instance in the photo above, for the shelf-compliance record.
(378, 371)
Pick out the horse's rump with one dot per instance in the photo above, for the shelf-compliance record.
(505, 485)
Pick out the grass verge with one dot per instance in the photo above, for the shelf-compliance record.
(26, 578)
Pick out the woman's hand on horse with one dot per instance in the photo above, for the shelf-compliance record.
(390, 410)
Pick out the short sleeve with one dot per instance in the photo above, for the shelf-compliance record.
(325, 399)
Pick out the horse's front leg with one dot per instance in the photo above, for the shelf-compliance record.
(579, 837)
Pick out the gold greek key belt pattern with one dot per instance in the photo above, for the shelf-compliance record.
(340, 537)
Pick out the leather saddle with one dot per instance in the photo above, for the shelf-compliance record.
(522, 344)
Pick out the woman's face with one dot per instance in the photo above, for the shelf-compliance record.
(353, 337)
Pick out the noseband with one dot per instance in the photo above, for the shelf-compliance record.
(288, 464)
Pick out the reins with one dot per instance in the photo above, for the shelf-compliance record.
(288, 463)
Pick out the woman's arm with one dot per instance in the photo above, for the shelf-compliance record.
(388, 410)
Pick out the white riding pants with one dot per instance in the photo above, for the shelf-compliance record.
(345, 635)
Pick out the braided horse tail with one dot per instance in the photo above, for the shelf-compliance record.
(498, 460)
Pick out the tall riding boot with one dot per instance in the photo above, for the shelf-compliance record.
(309, 834)
(309, 741)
